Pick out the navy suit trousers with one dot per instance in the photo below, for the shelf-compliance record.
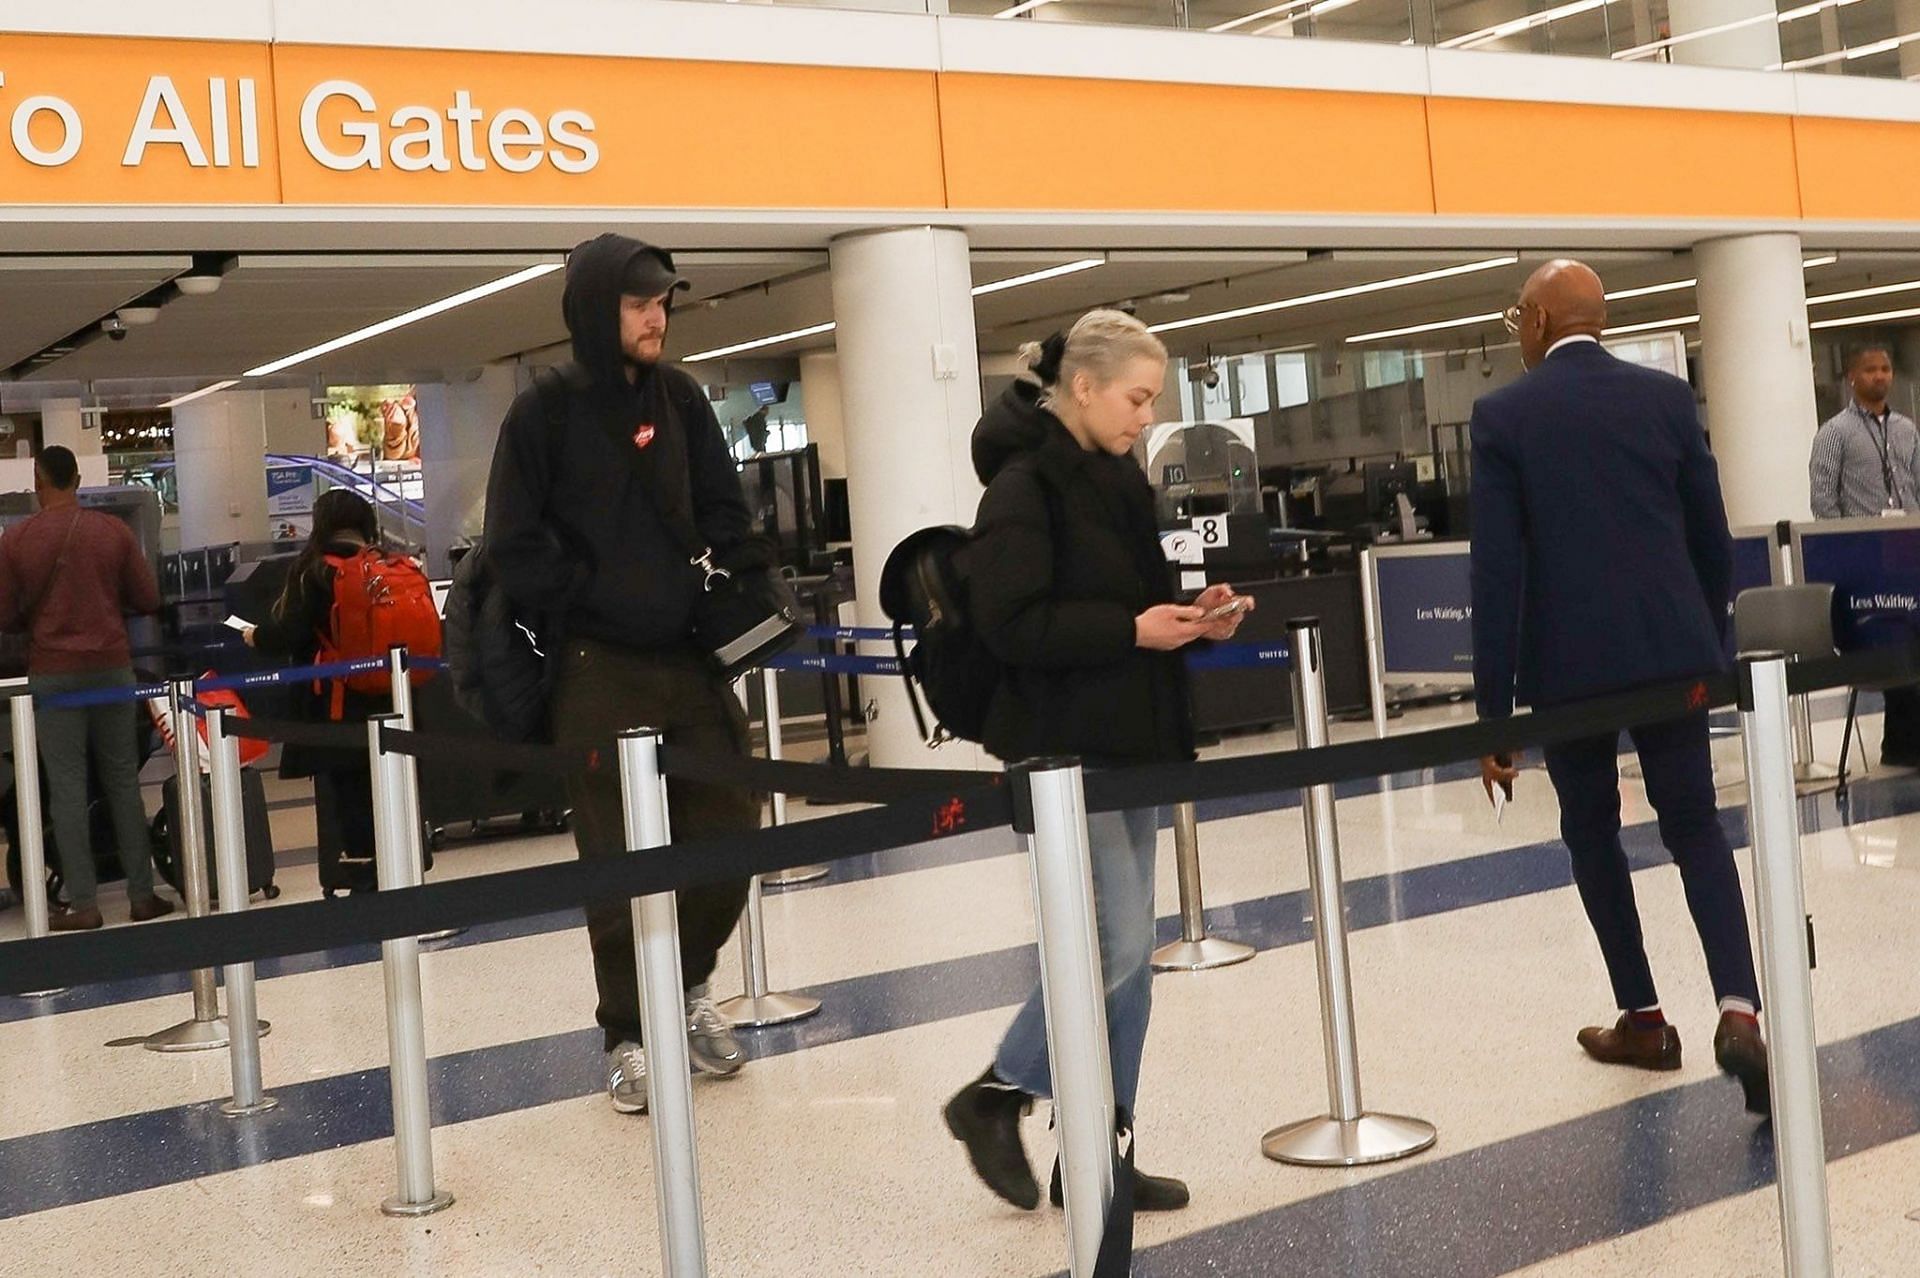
(1679, 779)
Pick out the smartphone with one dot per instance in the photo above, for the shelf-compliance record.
(1239, 603)
(237, 623)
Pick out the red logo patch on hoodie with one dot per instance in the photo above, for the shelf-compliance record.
(643, 435)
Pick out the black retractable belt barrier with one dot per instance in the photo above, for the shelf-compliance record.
(939, 804)
(326, 736)
(559, 760)
(124, 953)
(815, 781)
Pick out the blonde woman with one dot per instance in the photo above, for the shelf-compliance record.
(1071, 591)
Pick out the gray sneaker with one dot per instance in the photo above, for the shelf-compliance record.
(627, 1078)
(710, 1040)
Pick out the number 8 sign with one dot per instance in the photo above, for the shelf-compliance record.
(1212, 531)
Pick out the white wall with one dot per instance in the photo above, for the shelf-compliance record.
(459, 422)
(219, 442)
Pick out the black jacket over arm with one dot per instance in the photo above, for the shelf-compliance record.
(1065, 556)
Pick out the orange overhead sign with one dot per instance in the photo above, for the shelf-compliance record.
(102, 120)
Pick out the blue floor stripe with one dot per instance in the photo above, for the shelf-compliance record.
(1529, 1198)
(62, 1167)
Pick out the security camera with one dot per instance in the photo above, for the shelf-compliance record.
(1205, 374)
(1486, 367)
(114, 328)
(1127, 306)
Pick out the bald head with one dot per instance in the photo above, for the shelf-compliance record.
(1564, 298)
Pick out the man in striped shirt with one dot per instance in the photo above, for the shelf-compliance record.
(1866, 460)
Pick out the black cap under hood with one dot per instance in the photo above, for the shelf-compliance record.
(598, 272)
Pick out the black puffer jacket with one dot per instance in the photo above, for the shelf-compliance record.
(1065, 555)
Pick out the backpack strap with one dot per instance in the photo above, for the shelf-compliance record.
(913, 697)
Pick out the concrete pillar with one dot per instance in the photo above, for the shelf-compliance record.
(219, 442)
(1757, 372)
(910, 388)
(291, 427)
(1753, 46)
(459, 422)
(826, 416)
(62, 423)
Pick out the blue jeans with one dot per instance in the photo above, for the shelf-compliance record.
(1122, 846)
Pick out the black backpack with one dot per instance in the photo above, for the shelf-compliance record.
(924, 586)
(503, 663)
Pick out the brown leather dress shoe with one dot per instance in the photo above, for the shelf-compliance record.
(1626, 1044)
(153, 907)
(82, 920)
(1741, 1052)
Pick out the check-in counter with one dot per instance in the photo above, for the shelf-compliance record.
(1227, 700)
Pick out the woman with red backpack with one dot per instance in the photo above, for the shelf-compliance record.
(316, 620)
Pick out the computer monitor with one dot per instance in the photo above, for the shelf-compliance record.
(1386, 481)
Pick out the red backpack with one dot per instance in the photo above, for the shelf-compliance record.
(379, 600)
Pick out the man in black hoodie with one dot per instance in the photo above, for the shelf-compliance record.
(596, 468)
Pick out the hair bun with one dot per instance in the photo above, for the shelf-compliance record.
(1047, 366)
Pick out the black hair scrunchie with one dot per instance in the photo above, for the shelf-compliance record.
(1052, 351)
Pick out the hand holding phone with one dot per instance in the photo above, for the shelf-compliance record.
(238, 623)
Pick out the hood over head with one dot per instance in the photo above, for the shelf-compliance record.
(1014, 423)
(599, 271)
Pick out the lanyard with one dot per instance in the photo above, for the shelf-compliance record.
(1883, 443)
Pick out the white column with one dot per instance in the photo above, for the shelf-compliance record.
(910, 388)
(219, 446)
(1755, 44)
(826, 417)
(62, 423)
(459, 423)
(1757, 371)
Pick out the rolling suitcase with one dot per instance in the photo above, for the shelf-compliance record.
(253, 804)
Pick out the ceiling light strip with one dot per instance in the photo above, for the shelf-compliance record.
(1502, 30)
(758, 343)
(1027, 7)
(1278, 10)
(1332, 295)
(411, 317)
(188, 398)
(1653, 326)
(1672, 286)
(1035, 277)
(1882, 317)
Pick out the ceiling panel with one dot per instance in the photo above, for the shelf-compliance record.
(43, 299)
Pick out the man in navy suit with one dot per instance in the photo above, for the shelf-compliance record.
(1602, 561)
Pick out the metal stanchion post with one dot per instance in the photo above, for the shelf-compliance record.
(397, 865)
(402, 687)
(759, 1007)
(1073, 992)
(1806, 768)
(26, 791)
(1346, 1136)
(1195, 951)
(770, 684)
(663, 1023)
(1376, 655)
(230, 856)
(1792, 1057)
(207, 1029)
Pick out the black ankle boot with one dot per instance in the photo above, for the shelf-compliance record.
(985, 1117)
(1150, 1193)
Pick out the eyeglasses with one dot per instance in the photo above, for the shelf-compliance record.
(1511, 316)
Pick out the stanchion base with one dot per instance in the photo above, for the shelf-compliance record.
(41, 993)
(232, 1110)
(1199, 956)
(195, 1036)
(444, 934)
(797, 875)
(400, 1207)
(190, 1036)
(748, 1012)
(1328, 1142)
